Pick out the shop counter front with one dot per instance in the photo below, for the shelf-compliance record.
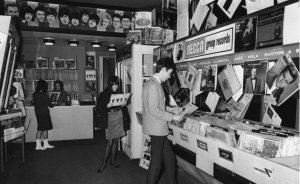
(69, 123)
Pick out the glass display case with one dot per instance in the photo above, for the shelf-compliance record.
(133, 71)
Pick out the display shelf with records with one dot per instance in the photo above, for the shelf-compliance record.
(253, 151)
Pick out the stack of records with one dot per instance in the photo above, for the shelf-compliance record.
(260, 144)
(222, 135)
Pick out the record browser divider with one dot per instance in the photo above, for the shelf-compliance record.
(68, 76)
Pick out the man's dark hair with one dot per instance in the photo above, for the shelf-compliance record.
(64, 11)
(117, 16)
(167, 63)
(51, 11)
(39, 8)
(27, 9)
(74, 15)
(41, 86)
(84, 12)
(293, 72)
(125, 16)
(95, 17)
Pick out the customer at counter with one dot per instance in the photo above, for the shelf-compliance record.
(63, 96)
(41, 103)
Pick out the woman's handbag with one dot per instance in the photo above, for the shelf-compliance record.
(126, 119)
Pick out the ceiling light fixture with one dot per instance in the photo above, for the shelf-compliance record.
(73, 43)
(112, 48)
(96, 44)
(49, 41)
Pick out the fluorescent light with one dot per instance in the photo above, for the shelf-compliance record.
(73, 43)
(49, 41)
(96, 44)
(112, 48)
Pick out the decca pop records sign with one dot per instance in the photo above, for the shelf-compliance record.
(214, 43)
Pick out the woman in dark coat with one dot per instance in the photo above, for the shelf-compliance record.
(41, 102)
(112, 121)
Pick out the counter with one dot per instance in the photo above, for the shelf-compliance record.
(69, 123)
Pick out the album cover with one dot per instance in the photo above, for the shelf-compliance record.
(238, 109)
(212, 101)
(197, 15)
(168, 36)
(209, 78)
(228, 6)
(143, 20)
(269, 28)
(229, 82)
(182, 97)
(254, 76)
(182, 19)
(145, 152)
(271, 117)
(152, 35)
(191, 77)
(283, 79)
(245, 34)
(179, 52)
(134, 36)
(53, 96)
(119, 99)
(256, 5)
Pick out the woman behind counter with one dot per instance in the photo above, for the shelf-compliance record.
(41, 102)
(63, 96)
(112, 119)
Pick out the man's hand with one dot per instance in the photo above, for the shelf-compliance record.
(109, 105)
(177, 118)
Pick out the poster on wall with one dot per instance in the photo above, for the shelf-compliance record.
(254, 76)
(61, 16)
(42, 62)
(90, 61)
(283, 79)
(245, 34)
(90, 86)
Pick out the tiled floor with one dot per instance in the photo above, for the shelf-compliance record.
(75, 162)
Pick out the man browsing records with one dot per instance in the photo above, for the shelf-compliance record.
(155, 118)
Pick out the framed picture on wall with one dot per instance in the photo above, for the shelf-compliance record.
(58, 63)
(70, 63)
(42, 62)
(90, 61)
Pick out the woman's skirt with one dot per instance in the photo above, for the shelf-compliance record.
(115, 125)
